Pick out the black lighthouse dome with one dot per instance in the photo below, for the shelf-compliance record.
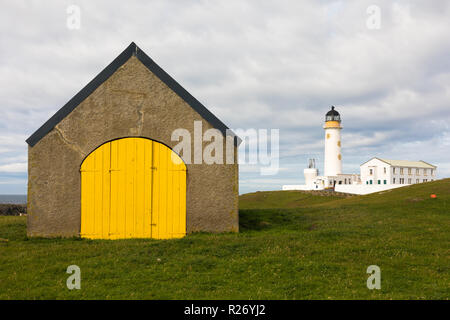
(333, 115)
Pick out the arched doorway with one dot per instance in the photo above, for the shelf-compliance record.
(133, 188)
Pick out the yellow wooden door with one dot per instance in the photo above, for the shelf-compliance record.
(133, 188)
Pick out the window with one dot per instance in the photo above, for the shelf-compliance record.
(409, 171)
(385, 181)
(367, 182)
(425, 180)
(402, 180)
(432, 171)
(425, 172)
(393, 170)
(384, 170)
(401, 170)
(393, 181)
(370, 181)
(379, 181)
(417, 171)
(409, 181)
(371, 171)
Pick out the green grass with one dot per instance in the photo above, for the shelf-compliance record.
(292, 245)
(283, 200)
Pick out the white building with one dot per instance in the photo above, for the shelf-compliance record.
(375, 175)
(382, 171)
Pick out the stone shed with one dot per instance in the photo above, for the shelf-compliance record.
(127, 157)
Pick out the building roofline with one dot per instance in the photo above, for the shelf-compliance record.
(428, 164)
(374, 158)
(397, 165)
(131, 50)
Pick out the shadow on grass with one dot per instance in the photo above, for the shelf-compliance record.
(266, 219)
(13, 229)
(249, 220)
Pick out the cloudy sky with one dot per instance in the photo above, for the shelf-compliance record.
(255, 64)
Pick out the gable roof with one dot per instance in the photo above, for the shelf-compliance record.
(405, 163)
(131, 50)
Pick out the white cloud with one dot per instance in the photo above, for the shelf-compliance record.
(6, 183)
(14, 167)
(261, 64)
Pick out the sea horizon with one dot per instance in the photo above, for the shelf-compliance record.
(13, 198)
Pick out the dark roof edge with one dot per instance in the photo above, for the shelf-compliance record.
(81, 95)
(131, 50)
(184, 94)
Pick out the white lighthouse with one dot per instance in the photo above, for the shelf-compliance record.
(333, 156)
(375, 175)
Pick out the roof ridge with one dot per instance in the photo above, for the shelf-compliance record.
(109, 70)
(408, 161)
(390, 161)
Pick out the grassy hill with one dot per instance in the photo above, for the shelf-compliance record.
(292, 245)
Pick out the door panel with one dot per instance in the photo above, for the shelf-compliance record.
(133, 188)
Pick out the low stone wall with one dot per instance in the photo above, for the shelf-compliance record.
(325, 193)
(12, 209)
(361, 189)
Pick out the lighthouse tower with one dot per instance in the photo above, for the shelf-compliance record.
(333, 157)
(311, 174)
